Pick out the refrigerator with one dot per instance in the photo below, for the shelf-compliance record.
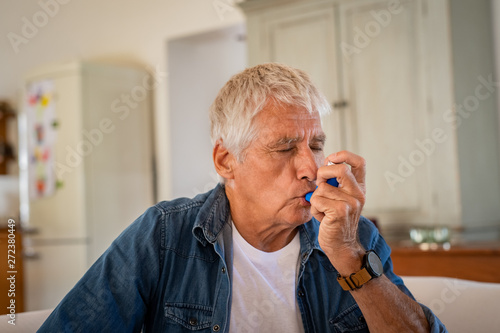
(86, 168)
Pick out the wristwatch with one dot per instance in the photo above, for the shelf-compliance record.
(371, 268)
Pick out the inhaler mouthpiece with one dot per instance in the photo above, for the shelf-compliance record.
(331, 181)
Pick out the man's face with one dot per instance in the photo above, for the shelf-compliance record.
(280, 166)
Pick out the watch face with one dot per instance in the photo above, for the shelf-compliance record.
(375, 264)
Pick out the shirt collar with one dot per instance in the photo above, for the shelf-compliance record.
(212, 217)
(309, 238)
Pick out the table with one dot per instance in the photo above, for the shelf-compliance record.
(470, 261)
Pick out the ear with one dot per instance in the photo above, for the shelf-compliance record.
(223, 160)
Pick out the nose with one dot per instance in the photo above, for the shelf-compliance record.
(307, 163)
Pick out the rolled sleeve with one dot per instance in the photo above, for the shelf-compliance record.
(436, 326)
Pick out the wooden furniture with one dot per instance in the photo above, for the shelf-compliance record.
(6, 149)
(5, 289)
(478, 262)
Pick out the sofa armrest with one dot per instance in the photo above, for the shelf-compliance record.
(462, 305)
(24, 321)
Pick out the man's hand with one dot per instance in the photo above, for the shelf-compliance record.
(339, 209)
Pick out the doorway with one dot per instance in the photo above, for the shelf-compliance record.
(198, 66)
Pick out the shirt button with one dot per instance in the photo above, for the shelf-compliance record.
(223, 270)
(193, 321)
(300, 293)
(216, 328)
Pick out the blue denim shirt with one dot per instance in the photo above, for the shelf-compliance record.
(170, 271)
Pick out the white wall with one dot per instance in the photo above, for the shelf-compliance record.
(111, 30)
(477, 137)
(496, 44)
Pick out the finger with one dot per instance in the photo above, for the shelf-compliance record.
(318, 215)
(323, 207)
(347, 182)
(357, 163)
(326, 197)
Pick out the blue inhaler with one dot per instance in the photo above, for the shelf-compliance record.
(331, 181)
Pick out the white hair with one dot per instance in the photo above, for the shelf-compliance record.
(245, 95)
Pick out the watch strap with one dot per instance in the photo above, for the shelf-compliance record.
(355, 280)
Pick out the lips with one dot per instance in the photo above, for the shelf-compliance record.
(331, 181)
(308, 191)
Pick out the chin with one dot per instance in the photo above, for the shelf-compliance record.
(302, 217)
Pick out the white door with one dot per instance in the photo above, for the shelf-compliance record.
(382, 69)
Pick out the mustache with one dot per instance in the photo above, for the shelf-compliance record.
(310, 188)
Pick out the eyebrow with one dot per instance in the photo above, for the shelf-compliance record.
(286, 140)
(321, 138)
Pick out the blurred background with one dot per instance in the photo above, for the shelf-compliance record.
(104, 112)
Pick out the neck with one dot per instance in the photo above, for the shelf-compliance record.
(266, 235)
(267, 239)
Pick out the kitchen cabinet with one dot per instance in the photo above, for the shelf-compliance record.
(389, 70)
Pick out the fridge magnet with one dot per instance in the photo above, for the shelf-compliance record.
(40, 112)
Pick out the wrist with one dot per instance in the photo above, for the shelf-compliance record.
(347, 261)
(371, 268)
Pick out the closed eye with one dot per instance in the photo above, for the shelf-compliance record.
(286, 150)
(317, 148)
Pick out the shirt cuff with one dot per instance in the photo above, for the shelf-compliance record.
(436, 326)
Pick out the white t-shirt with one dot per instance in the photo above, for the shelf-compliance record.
(264, 287)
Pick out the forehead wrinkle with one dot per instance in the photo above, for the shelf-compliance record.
(273, 120)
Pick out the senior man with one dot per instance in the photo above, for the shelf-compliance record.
(253, 255)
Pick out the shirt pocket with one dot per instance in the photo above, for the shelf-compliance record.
(350, 320)
(191, 316)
